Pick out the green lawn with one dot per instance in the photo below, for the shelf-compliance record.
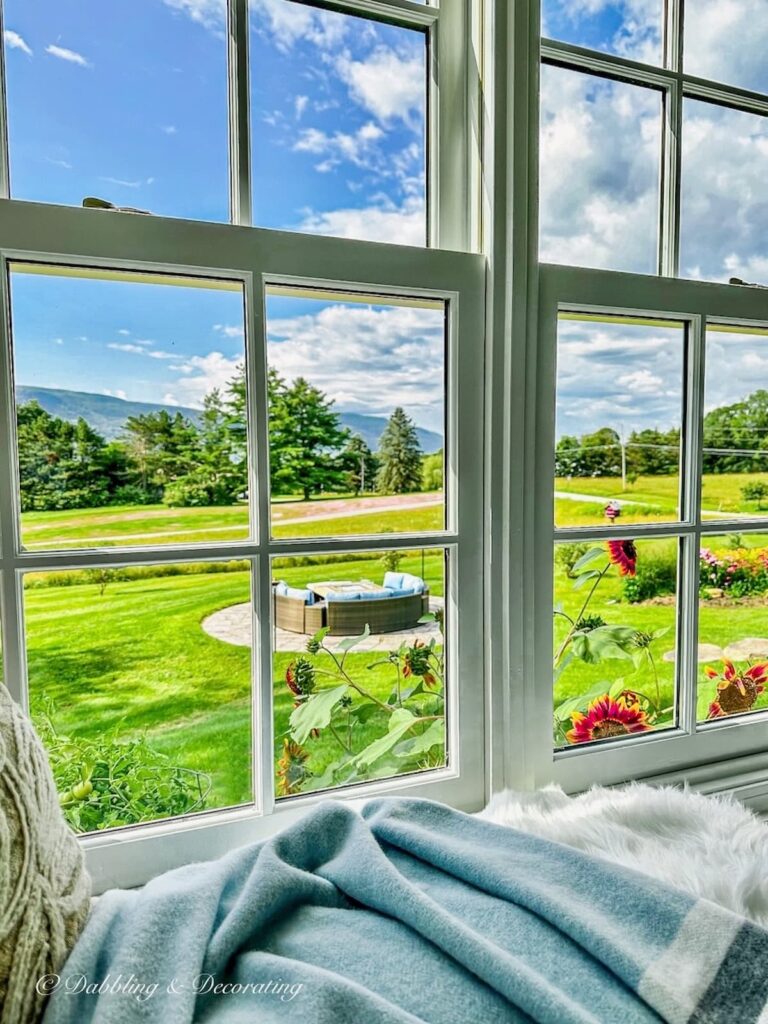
(657, 498)
(135, 660)
(156, 524)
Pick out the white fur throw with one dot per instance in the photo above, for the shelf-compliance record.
(44, 888)
(709, 846)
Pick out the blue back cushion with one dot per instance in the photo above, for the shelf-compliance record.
(376, 595)
(403, 592)
(281, 588)
(299, 594)
(343, 595)
(393, 580)
(412, 583)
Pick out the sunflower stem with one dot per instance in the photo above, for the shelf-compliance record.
(580, 616)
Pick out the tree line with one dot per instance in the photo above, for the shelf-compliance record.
(166, 457)
(735, 440)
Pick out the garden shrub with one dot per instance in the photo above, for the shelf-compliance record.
(656, 575)
(108, 783)
(738, 572)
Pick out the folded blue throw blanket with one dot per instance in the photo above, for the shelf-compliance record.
(410, 912)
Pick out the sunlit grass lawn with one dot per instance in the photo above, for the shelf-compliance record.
(137, 661)
(721, 493)
(156, 524)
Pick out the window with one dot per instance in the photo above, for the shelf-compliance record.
(240, 492)
(660, 547)
(653, 138)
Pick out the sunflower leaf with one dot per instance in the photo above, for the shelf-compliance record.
(589, 556)
(585, 577)
(603, 644)
(315, 712)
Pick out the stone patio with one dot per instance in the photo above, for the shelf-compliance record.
(233, 626)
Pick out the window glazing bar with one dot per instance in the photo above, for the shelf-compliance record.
(239, 114)
(5, 174)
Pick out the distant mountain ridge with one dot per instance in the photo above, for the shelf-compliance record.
(107, 414)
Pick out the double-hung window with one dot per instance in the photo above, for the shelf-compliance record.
(241, 497)
(651, 422)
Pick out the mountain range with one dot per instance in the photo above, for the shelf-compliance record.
(107, 414)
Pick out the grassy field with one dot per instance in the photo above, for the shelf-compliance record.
(656, 497)
(156, 524)
(136, 660)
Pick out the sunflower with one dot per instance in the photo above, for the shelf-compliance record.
(736, 691)
(606, 718)
(624, 554)
(417, 663)
(300, 677)
(292, 771)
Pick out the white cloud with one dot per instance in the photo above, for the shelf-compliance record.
(359, 148)
(117, 393)
(71, 56)
(289, 23)
(123, 330)
(210, 14)
(140, 349)
(641, 382)
(599, 181)
(367, 359)
(640, 24)
(300, 105)
(201, 375)
(16, 42)
(169, 129)
(727, 40)
(388, 84)
(229, 330)
(125, 182)
(404, 224)
(58, 341)
(65, 164)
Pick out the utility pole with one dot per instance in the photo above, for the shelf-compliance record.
(623, 445)
(362, 472)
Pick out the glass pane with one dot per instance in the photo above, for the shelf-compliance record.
(357, 413)
(143, 704)
(619, 413)
(127, 102)
(385, 692)
(727, 42)
(735, 481)
(599, 182)
(614, 634)
(724, 216)
(130, 405)
(733, 648)
(339, 112)
(630, 28)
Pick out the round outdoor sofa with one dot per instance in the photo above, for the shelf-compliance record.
(402, 602)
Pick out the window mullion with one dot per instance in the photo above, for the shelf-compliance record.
(11, 609)
(669, 230)
(688, 585)
(239, 114)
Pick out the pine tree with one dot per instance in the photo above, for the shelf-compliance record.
(399, 456)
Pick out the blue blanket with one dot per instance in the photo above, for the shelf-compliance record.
(409, 912)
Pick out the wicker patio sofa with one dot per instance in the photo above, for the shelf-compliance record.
(348, 618)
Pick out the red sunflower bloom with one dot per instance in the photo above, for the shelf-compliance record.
(607, 717)
(623, 553)
(736, 691)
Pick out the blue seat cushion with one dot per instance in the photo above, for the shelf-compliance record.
(404, 592)
(300, 594)
(343, 595)
(376, 595)
(393, 580)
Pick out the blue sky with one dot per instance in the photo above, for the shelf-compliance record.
(129, 102)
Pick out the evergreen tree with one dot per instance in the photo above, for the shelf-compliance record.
(399, 456)
(360, 465)
(305, 439)
(162, 446)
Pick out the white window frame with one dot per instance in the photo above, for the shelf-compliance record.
(256, 257)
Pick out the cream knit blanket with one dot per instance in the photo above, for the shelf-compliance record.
(44, 888)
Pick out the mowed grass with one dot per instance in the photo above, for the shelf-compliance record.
(718, 624)
(156, 524)
(657, 498)
(136, 660)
